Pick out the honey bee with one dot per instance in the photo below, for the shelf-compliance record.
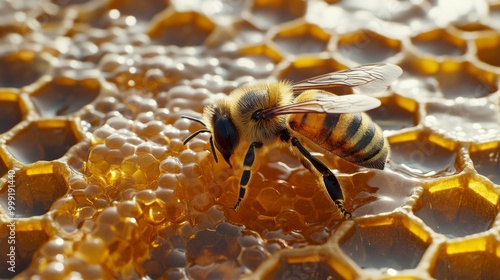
(270, 114)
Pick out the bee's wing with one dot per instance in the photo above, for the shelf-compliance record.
(369, 78)
(327, 105)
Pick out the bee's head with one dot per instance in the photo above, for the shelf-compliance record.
(224, 136)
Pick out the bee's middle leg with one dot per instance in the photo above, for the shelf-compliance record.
(331, 183)
(247, 167)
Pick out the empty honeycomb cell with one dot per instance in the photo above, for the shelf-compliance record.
(487, 49)
(38, 187)
(27, 242)
(301, 38)
(440, 42)
(141, 10)
(366, 46)
(195, 29)
(422, 154)
(486, 159)
(266, 14)
(385, 241)
(458, 206)
(396, 112)
(64, 96)
(53, 138)
(22, 68)
(12, 110)
(475, 258)
(464, 120)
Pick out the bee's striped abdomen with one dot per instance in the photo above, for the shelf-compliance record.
(353, 137)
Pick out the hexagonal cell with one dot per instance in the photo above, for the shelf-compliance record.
(486, 159)
(302, 38)
(366, 46)
(266, 14)
(63, 96)
(396, 112)
(247, 33)
(37, 187)
(458, 206)
(422, 154)
(307, 67)
(21, 68)
(141, 10)
(391, 241)
(194, 27)
(12, 110)
(262, 51)
(487, 50)
(440, 42)
(463, 79)
(43, 140)
(455, 260)
(28, 238)
(310, 266)
(408, 14)
(464, 120)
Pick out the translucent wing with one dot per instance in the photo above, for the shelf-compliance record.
(326, 104)
(367, 79)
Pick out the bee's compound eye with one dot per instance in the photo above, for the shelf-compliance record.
(226, 137)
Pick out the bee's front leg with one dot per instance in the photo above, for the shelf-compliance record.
(331, 183)
(247, 167)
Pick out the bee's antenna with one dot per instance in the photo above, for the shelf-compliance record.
(198, 132)
(194, 120)
(194, 135)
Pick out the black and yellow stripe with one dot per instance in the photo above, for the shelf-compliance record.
(353, 137)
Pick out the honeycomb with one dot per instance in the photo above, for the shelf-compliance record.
(96, 182)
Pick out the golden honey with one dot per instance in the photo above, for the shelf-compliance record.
(96, 183)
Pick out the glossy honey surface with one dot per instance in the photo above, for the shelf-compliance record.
(91, 98)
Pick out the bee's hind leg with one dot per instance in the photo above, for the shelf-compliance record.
(331, 183)
(247, 167)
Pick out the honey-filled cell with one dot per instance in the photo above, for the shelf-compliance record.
(194, 27)
(54, 139)
(395, 113)
(384, 242)
(453, 259)
(38, 187)
(64, 96)
(22, 68)
(12, 110)
(423, 155)
(486, 162)
(458, 206)
(440, 42)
